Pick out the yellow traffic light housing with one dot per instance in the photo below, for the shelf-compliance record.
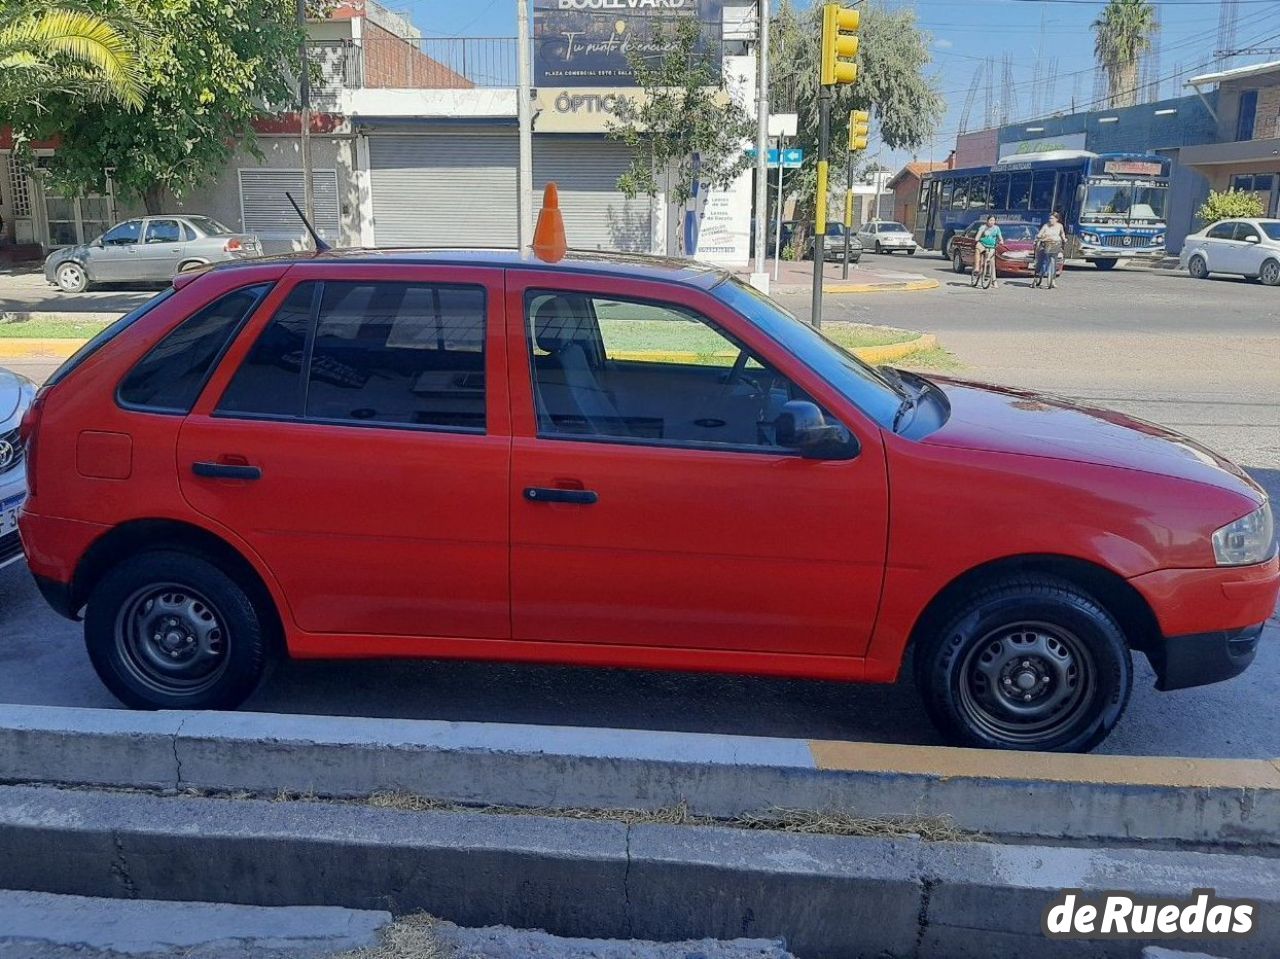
(859, 129)
(839, 45)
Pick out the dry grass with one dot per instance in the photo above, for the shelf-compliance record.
(411, 937)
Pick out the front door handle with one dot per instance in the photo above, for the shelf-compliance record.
(543, 494)
(226, 471)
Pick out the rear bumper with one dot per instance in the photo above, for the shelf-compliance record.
(57, 595)
(1210, 620)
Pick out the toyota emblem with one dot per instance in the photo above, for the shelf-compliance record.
(6, 455)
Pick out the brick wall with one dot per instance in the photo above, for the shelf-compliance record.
(391, 62)
(1264, 124)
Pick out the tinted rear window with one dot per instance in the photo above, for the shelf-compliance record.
(106, 336)
(169, 378)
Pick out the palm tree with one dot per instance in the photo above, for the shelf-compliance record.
(1122, 34)
(47, 48)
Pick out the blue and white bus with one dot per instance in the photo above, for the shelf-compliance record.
(1112, 204)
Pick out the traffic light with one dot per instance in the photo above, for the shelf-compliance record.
(859, 128)
(839, 45)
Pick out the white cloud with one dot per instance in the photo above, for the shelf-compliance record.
(943, 44)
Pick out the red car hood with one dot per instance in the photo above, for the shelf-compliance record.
(1003, 420)
(1012, 245)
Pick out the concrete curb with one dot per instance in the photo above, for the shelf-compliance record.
(869, 354)
(24, 348)
(823, 895)
(1228, 804)
(146, 927)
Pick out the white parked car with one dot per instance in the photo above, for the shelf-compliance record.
(16, 394)
(886, 236)
(1247, 247)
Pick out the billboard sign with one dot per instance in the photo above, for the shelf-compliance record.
(587, 43)
(1065, 141)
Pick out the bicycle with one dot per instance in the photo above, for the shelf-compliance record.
(987, 278)
(1046, 265)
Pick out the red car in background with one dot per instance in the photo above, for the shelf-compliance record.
(1015, 256)
(614, 461)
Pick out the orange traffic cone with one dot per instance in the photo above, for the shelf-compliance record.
(549, 243)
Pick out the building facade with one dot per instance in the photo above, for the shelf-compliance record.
(414, 142)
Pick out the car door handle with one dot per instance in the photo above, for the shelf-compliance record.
(226, 471)
(543, 494)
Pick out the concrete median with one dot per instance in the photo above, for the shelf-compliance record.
(1226, 804)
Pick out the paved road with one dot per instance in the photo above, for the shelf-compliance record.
(1203, 357)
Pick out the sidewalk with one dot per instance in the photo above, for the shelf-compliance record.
(875, 276)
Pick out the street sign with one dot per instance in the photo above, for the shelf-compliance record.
(792, 158)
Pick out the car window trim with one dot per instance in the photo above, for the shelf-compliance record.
(530, 343)
(123, 404)
(308, 351)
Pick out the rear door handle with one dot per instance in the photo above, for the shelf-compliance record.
(226, 471)
(543, 494)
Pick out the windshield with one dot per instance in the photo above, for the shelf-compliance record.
(1017, 231)
(861, 384)
(835, 229)
(209, 226)
(893, 228)
(1120, 201)
(1271, 229)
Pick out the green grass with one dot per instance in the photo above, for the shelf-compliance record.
(42, 328)
(936, 360)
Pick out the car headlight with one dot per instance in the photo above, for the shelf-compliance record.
(1158, 240)
(1248, 540)
(1089, 237)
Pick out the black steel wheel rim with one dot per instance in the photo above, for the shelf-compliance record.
(171, 639)
(1025, 683)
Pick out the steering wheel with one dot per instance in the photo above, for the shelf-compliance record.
(736, 373)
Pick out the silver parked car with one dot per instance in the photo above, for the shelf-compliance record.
(886, 236)
(16, 394)
(147, 250)
(1248, 247)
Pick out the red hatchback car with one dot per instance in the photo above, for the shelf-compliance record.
(1015, 256)
(614, 461)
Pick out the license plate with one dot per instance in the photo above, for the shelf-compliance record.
(9, 513)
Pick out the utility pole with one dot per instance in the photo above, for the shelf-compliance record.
(304, 96)
(524, 115)
(762, 141)
(820, 205)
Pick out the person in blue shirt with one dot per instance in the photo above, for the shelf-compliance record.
(989, 237)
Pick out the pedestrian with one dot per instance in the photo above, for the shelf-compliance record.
(1050, 242)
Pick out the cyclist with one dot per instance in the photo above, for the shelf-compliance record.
(989, 237)
(1049, 245)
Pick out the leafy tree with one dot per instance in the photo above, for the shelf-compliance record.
(51, 50)
(1229, 204)
(1122, 33)
(212, 66)
(892, 82)
(685, 128)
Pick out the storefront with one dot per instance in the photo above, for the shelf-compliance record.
(34, 211)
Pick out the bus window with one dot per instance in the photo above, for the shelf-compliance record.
(1019, 190)
(960, 198)
(999, 191)
(978, 193)
(944, 202)
(1042, 192)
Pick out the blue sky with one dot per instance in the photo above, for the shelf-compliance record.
(965, 33)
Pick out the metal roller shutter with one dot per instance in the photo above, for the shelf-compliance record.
(266, 210)
(597, 215)
(438, 189)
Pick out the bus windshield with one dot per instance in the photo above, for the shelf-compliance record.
(1117, 201)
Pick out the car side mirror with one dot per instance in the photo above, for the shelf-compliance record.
(801, 426)
(97, 243)
(1251, 238)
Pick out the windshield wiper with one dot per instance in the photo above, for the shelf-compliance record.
(907, 406)
(909, 399)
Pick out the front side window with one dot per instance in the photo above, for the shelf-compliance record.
(1244, 231)
(647, 372)
(163, 231)
(376, 353)
(123, 234)
(169, 378)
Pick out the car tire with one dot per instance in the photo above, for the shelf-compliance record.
(1105, 265)
(878, 248)
(946, 246)
(71, 277)
(1198, 268)
(957, 262)
(170, 630)
(1270, 273)
(1027, 662)
(911, 252)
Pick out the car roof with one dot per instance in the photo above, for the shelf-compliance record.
(686, 272)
